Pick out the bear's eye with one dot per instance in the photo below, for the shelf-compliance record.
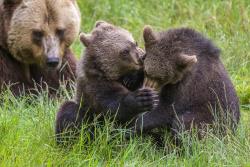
(37, 36)
(125, 52)
(60, 33)
(181, 67)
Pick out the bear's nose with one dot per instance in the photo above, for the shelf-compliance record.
(52, 62)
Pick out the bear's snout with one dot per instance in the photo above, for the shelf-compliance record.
(52, 62)
(52, 52)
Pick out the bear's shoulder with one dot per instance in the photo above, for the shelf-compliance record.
(11, 73)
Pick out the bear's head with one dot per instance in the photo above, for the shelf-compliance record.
(39, 31)
(169, 56)
(112, 51)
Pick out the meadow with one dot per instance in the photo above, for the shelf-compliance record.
(27, 123)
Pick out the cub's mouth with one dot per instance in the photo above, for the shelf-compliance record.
(151, 83)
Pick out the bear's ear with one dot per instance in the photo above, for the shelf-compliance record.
(99, 22)
(148, 35)
(85, 39)
(185, 61)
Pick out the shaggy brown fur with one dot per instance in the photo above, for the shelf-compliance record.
(194, 86)
(109, 74)
(35, 37)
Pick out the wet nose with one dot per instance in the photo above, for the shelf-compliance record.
(52, 62)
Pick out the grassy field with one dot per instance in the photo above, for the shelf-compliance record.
(27, 123)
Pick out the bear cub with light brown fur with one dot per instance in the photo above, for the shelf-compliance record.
(194, 87)
(108, 77)
(35, 39)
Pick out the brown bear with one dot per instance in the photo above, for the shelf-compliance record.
(108, 77)
(194, 87)
(35, 37)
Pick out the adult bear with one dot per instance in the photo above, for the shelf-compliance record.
(35, 37)
(109, 76)
(194, 87)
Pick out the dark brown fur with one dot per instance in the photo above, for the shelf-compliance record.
(109, 75)
(194, 86)
(12, 71)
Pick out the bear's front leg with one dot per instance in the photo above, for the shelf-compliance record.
(134, 103)
(151, 120)
(68, 121)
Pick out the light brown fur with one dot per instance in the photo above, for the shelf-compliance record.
(47, 16)
(35, 39)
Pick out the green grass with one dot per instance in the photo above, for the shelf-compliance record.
(27, 123)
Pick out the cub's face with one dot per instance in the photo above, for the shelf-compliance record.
(41, 30)
(165, 62)
(114, 50)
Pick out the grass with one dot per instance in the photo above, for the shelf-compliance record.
(27, 123)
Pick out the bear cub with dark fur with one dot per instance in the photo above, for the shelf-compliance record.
(195, 88)
(108, 77)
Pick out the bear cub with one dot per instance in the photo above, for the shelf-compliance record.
(108, 77)
(194, 87)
